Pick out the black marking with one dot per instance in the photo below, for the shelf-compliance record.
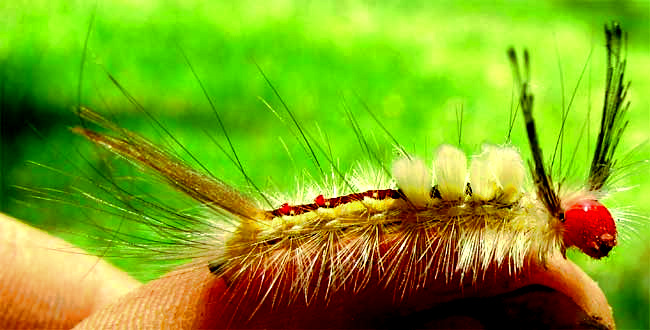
(543, 181)
(468, 189)
(435, 192)
(613, 122)
(272, 241)
(216, 267)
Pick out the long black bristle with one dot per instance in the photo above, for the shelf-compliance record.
(613, 122)
(543, 181)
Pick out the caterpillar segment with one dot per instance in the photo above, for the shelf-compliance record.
(494, 222)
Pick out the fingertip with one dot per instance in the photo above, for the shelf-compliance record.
(196, 298)
(184, 299)
(566, 277)
(48, 283)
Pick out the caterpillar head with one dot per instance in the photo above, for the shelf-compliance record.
(587, 223)
(589, 226)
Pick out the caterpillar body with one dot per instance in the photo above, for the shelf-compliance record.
(454, 221)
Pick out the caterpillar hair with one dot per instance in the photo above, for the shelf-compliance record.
(458, 218)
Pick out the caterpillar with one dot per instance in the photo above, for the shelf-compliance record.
(319, 243)
(402, 227)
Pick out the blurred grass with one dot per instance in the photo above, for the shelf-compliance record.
(414, 63)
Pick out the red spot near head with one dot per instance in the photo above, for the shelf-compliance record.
(589, 226)
(320, 200)
(285, 209)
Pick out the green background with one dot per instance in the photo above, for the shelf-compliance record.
(414, 64)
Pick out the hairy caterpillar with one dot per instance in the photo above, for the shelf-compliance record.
(305, 196)
(367, 236)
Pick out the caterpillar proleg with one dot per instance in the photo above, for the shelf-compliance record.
(455, 219)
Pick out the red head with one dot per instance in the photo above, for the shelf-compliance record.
(589, 226)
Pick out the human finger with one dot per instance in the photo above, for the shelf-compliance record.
(557, 294)
(47, 283)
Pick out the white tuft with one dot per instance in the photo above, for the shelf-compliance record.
(509, 171)
(451, 172)
(498, 172)
(481, 175)
(414, 179)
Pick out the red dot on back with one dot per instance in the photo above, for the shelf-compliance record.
(320, 200)
(285, 209)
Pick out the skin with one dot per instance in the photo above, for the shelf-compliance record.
(44, 287)
(47, 283)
